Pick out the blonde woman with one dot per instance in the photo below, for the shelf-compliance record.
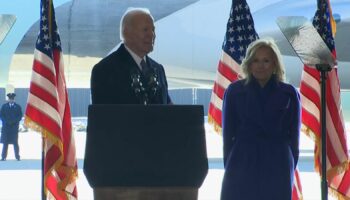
(261, 127)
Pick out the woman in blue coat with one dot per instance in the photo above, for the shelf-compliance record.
(261, 127)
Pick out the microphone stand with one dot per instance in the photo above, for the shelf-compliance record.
(323, 68)
(138, 88)
(145, 87)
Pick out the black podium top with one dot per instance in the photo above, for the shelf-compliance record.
(145, 146)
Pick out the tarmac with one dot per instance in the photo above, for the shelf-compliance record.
(21, 180)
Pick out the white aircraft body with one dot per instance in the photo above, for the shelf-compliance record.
(190, 40)
(189, 33)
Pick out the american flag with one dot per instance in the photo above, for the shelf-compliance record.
(337, 157)
(240, 32)
(48, 110)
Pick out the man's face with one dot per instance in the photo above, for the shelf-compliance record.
(139, 35)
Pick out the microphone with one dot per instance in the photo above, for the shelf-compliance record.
(138, 88)
(152, 83)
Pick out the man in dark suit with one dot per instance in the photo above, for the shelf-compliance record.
(129, 75)
(11, 115)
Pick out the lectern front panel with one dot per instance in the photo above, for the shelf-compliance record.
(145, 146)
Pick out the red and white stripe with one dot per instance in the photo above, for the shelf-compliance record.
(228, 71)
(297, 192)
(337, 156)
(310, 96)
(48, 112)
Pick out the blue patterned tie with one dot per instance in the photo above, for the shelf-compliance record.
(144, 66)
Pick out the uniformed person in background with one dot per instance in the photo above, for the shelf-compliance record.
(11, 115)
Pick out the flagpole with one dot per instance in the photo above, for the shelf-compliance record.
(43, 197)
(323, 68)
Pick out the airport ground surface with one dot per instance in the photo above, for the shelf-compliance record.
(20, 180)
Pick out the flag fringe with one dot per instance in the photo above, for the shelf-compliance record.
(58, 165)
(308, 132)
(43, 131)
(337, 195)
(335, 170)
(68, 196)
(73, 175)
(216, 126)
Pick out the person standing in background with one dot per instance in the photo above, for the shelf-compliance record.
(11, 115)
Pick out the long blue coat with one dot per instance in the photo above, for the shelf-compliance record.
(10, 122)
(261, 128)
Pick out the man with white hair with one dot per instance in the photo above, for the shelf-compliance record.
(129, 75)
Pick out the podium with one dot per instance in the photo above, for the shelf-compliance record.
(139, 152)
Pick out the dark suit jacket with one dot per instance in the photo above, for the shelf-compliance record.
(111, 80)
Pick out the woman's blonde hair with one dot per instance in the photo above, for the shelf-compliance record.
(250, 54)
